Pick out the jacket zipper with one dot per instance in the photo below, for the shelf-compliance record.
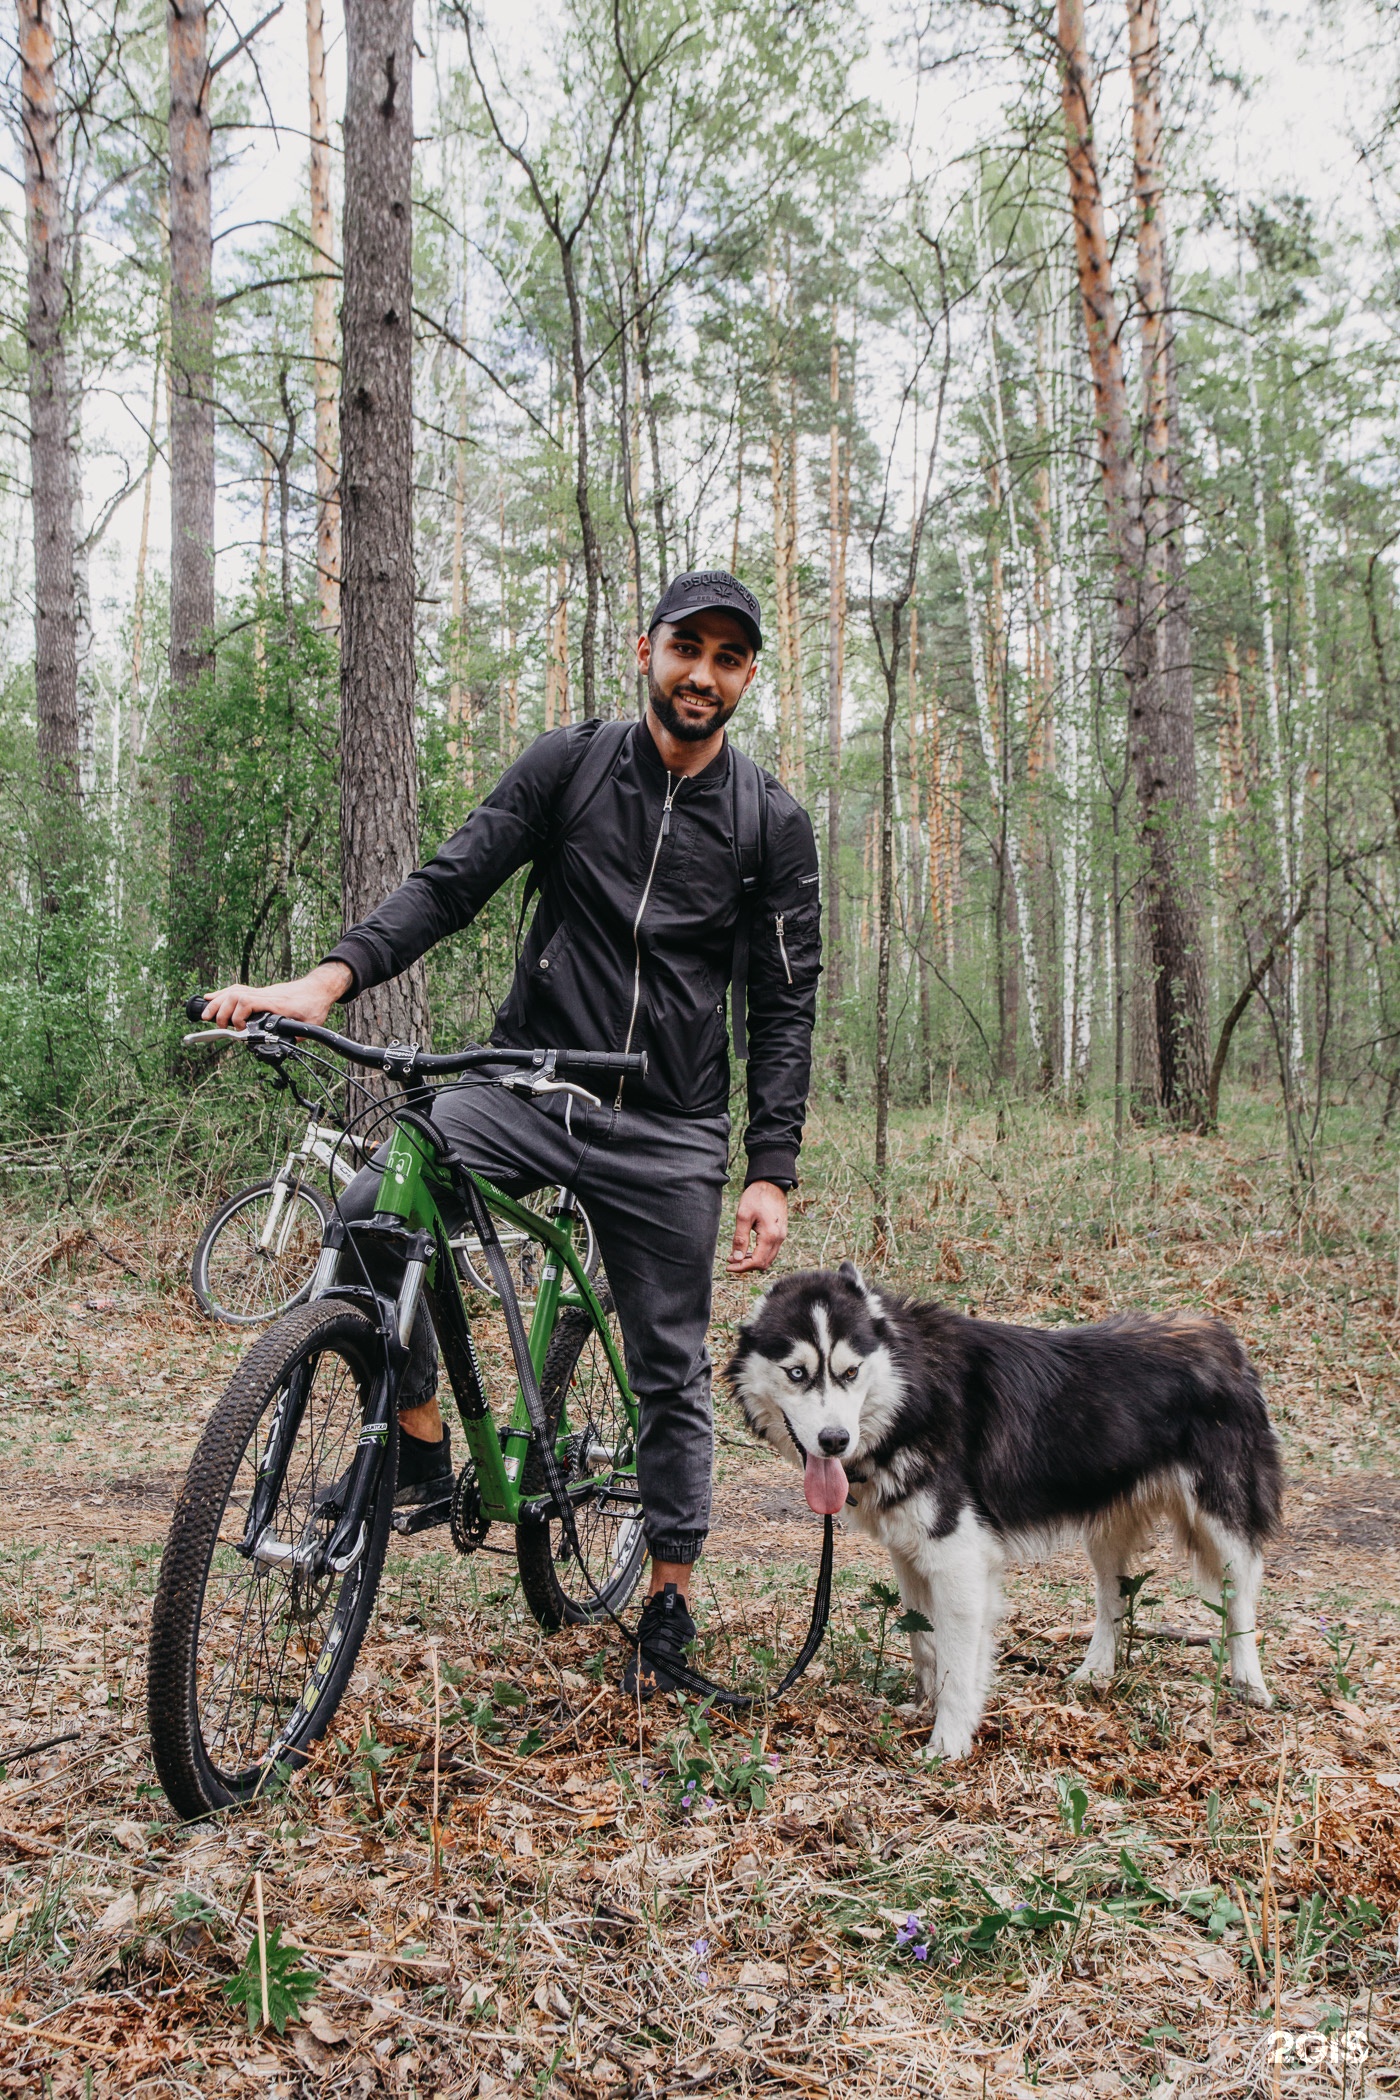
(674, 781)
(782, 950)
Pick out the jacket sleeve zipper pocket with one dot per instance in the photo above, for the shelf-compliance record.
(782, 949)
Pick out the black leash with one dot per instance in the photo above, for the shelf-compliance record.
(690, 1680)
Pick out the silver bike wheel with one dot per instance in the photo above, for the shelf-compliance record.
(238, 1280)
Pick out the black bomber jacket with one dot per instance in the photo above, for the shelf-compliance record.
(631, 946)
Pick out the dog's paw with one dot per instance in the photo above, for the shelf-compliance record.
(1253, 1695)
(1092, 1672)
(949, 1740)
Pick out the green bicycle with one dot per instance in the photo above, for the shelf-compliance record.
(273, 1560)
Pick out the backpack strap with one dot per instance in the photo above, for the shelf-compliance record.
(749, 792)
(588, 768)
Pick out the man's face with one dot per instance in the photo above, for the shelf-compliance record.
(698, 670)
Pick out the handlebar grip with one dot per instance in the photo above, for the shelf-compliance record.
(634, 1061)
(194, 1008)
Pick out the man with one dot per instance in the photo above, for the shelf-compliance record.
(642, 890)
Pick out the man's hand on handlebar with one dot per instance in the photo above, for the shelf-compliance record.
(763, 1220)
(308, 998)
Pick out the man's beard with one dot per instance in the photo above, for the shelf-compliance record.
(670, 716)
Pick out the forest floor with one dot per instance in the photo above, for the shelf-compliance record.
(1116, 1893)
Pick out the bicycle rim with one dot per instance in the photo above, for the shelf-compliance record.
(596, 1447)
(238, 1280)
(266, 1659)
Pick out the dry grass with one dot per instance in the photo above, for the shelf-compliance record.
(588, 1932)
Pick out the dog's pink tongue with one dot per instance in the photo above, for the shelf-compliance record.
(825, 1485)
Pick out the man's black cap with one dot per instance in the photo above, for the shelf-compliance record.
(709, 590)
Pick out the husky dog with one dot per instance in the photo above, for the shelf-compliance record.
(963, 1444)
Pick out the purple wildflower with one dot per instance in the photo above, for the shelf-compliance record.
(921, 1953)
(909, 1930)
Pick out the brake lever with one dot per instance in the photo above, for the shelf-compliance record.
(216, 1035)
(523, 1083)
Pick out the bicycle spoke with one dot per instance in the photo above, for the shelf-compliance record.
(263, 1629)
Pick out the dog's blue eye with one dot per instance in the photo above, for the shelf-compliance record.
(796, 1374)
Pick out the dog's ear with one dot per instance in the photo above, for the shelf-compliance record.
(849, 1273)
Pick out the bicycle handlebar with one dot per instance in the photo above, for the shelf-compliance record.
(403, 1059)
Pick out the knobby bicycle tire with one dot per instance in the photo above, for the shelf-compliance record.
(205, 1702)
(555, 1588)
(279, 1282)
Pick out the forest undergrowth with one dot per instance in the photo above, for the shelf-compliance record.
(1117, 1893)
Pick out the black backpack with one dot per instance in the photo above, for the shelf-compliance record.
(595, 764)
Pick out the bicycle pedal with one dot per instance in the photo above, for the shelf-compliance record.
(424, 1517)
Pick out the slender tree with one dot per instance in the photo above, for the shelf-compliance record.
(50, 412)
(1160, 742)
(888, 613)
(323, 325)
(192, 603)
(379, 769)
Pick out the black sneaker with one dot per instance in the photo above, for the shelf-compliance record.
(425, 1475)
(664, 1632)
(425, 1470)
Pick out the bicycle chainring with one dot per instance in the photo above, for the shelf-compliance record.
(468, 1526)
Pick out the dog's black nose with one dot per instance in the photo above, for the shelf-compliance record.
(833, 1441)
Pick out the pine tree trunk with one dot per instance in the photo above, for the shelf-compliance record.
(379, 767)
(51, 461)
(323, 326)
(193, 961)
(1161, 743)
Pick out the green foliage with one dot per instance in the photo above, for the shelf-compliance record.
(1335, 1637)
(372, 1759)
(1130, 1588)
(1074, 1803)
(702, 1770)
(290, 1985)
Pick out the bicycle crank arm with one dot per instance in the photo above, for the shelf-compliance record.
(428, 1514)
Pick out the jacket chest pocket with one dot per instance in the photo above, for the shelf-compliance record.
(553, 952)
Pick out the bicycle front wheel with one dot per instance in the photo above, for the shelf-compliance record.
(253, 1641)
(590, 1424)
(251, 1264)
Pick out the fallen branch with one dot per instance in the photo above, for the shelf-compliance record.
(49, 1742)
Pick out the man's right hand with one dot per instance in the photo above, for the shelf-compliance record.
(308, 998)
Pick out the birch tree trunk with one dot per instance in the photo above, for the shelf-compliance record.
(50, 458)
(191, 430)
(379, 768)
(799, 751)
(835, 670)
(1000, 802)
(323, 359)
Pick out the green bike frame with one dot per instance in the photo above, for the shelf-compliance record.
(408, 1196)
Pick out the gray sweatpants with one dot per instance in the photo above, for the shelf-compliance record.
(652, 1185)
